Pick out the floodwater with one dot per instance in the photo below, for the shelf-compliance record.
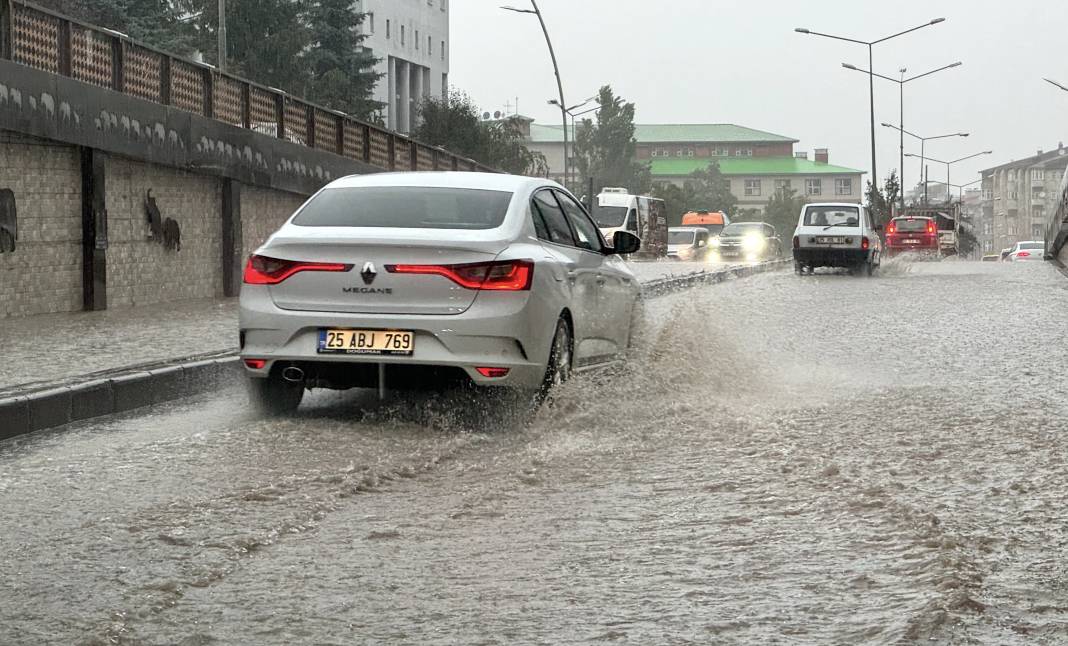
(792, 460)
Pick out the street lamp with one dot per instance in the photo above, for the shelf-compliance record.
(923, 143)
(1056, 83)
(901, 111)
(871, 77)
(556, 69)
(948, 164)
(574, 134)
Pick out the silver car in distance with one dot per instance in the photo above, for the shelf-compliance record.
(419, 280)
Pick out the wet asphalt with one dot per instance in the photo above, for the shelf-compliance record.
(789, 460)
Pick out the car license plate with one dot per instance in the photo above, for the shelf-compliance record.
(829, 240)
(390, 342)
(909, 241)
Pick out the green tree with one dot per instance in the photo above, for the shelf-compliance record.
(702, 190)
(605, 149)
(454, 123)
(160, 23)
(342, 71)
(876, 203)
(783, 210)
(892, 189)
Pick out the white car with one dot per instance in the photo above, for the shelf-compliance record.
(1026, 251)
(414, 280)
(836, 235)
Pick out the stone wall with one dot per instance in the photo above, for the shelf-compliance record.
(262, 212)
(44, 272)
(142, 270)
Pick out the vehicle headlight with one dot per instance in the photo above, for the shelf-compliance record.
(753, 243)
(714, 242)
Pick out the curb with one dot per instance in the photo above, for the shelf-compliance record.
(34, 411)
(664, 286)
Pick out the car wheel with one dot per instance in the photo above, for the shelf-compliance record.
(274, 395)
(870, 268)
(559, 368)
(799, 269)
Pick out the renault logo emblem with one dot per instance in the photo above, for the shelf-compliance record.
(368, 273)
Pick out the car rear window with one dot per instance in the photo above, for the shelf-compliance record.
(681, 237)
(406, 207)
(743, 228)
(825, 216)
(906, 225)
(1032, 245)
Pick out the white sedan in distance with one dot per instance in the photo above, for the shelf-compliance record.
(1027, 250)
(418, 280)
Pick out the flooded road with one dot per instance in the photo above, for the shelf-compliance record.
(792, 460)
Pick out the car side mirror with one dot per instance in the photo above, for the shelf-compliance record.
(625, 242)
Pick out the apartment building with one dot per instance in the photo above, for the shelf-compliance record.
(1018, 199)
(411, 37)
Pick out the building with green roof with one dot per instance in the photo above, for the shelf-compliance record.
(757, 162)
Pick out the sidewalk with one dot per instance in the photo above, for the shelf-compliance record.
(39, 352)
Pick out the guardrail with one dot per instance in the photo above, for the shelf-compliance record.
(669, 284)
(44, 40)
(1057, 229)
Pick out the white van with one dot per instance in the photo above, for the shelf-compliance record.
(617, 210)
(835, 234)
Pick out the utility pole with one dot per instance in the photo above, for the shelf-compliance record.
(222, 36)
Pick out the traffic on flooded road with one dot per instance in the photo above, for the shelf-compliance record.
(770, 444)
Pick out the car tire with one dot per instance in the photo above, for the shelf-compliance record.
(558, 370)
(274, 395)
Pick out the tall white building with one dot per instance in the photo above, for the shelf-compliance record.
(411, 37)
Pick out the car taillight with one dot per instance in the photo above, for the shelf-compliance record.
(891, 230)
(262, 270)
(797, 242)
(865, 244)
(505, 275)
(930, 229)
(256, 364)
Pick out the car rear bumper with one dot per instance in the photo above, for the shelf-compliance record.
(830, 257)
(500, 330)
(924, 250)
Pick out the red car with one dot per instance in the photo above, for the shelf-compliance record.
(915, 234)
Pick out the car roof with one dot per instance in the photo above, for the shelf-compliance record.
(913, 217)
(445, 179)
(687, 229)
(850, 204)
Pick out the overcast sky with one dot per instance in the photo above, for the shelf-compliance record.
(734, 61)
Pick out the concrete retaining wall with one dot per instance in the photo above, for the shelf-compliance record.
(44, 273)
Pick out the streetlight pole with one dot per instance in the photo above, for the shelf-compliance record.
(901, 112)
(950, 163)
(1052, 82)
(871, 76)
(574, 133)
(923, 142)
(222, 35)
(556, 70)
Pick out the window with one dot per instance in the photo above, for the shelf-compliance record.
(813, 187)
(387, 28)
(678, 153)
(1038, 231)
(589, 237)
(782, 184)
(843, 186)
(752, 188)
(416, 40)
(443, 48)
(371, 22)
(654, 153)
(406, 208)
(743, 152)
(402, 35)
(429, 46)
(689, 152)
(720, 152)
(553, 218)
(1037, 174)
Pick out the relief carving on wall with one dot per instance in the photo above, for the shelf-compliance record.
(165, 231)
(9, 226)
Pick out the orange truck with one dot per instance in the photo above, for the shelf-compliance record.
(714, 221)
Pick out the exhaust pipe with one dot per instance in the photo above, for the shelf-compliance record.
(293, 374)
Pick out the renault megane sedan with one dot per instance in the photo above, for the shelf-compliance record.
(415, 280)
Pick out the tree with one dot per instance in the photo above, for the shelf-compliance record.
(160, 23)
(702, 190)
(342, 71)
(605, 149)
(454, 123)
(892, 188)
(876, 202)
(783, 209)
